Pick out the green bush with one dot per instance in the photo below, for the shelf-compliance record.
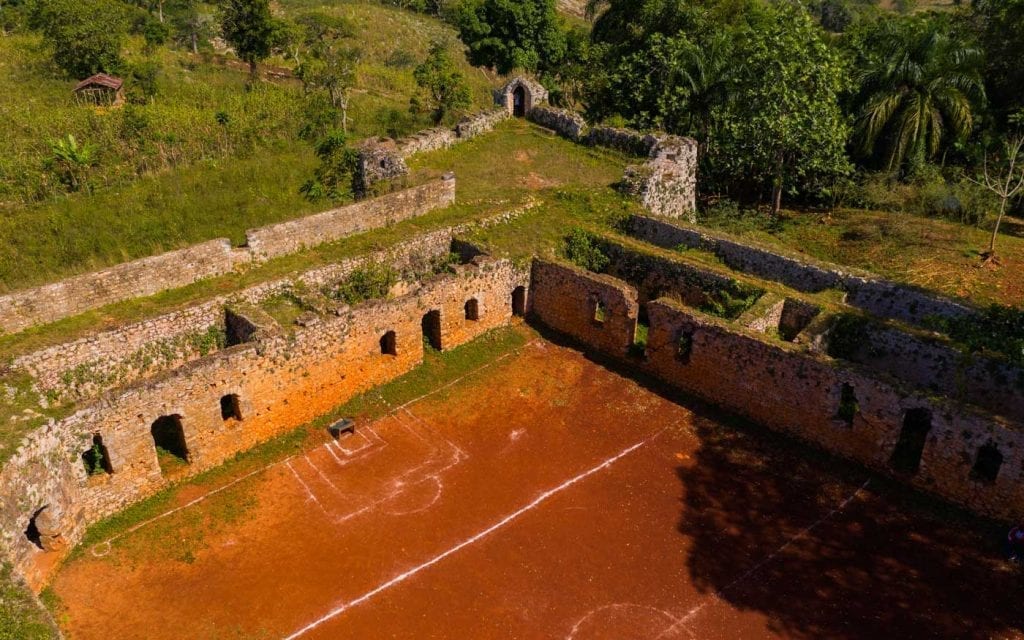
(999, 330)
(371, 282)
(582, 250)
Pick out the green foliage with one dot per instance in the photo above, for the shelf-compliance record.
(730, 304)
(783, 129)
(512, 34)
(155, 34)
(919, 87)
(582, 250)
(85, 36)
(250, 28)
(332, 179)
(21, 617)
(327, 70)
(371, 282)
(848, 336)
(71, 161)
(1001, 32)
(443, 82)
(999, 330)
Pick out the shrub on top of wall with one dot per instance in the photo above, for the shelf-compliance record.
(366, 283)
(582, 250)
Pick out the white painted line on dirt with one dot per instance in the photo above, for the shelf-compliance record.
(468, 541)
(305, 486)
(106, 543)
(757, 567)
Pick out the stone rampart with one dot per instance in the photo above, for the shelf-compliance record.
(154, 274)
(565, 123)
(872, 294)
(276, 384)
(966, 455)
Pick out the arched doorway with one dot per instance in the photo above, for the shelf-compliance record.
(519, 102)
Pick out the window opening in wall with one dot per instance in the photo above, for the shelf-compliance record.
(987, 464)
(169, 438)
(519, 301)
(848, 405)
(600, 312)
(96, 459)
(431, 325)
(906, 457)
(643, 326)
(230, 407)
(472, 309)
(32, 530)
(684, 346)
(389, 344)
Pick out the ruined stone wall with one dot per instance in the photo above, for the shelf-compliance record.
(282, 382)
(106, 360)
(628, 141)
(789, 389)
(567, 124)
(292, 236)
(941, 369)
(874, 295)
(566, 299)
(480, 123)
(151, 275)
(143, 277)
(667, 183)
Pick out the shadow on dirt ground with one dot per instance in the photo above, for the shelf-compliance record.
(827, 548)
(782, 529)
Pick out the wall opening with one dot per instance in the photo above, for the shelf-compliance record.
(519, 102)
(987, 464)
(169, 438)
(96, 459)
(906, 457)
(389, 344)
(230, 407)
(848, 405)
(431, 325)
(643, 327)
(472, 309)
(519, 301)
(684, 346)
(600, 312)
(32, 530)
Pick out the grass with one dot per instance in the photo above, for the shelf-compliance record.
(21, 617)
(168, 173)
(925, 252)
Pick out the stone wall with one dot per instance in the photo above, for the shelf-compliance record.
(759, 379)
(567, 124)
(874, 295)
(627, 141)
(151, 275)
(939, 368)
(479, 123)
(137, 278)
(281, 382)
(379, 160)
(667, 183)
(310, 231)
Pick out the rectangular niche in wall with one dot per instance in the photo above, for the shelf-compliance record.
(96, 459)
(169, 440)
(389, 344)
(230, 407)
(906, 457)
(431, 326)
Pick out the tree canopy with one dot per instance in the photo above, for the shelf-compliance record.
(86, 36)
(512, 34)
(250, 28)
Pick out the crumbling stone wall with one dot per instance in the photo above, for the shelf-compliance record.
(292, 236)
(627, 141)
(667, 183)
(565, 123)
(151, 275)
(759, 378)
(379, 160)
(872, 294)
(283, 381)
(479, 123)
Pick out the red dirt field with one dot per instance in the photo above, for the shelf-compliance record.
(549, 497)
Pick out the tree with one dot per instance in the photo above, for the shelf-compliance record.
(783, 128)
(250, 28)
(332, 179)
(191, 27)
(1001, 30)
(1006, 184)
(512, 34)
(918, 92)
(443, 82)
(329, 66)
(85, 35)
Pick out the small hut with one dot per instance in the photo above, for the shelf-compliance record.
(100, 90)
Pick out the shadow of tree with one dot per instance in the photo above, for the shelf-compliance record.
(826, 552)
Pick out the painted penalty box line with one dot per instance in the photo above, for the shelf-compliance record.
(105, 545)
(543, 497)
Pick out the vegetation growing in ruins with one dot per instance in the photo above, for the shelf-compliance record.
(371, 282)
(21, 617)
(582, 250)
(1000, 330)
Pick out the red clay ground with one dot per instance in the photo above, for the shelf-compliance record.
(548, 497)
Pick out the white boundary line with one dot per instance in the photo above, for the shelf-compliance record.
(468, 541)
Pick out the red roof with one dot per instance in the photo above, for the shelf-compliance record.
(102, 80)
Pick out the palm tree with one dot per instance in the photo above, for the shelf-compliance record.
(917, 93)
